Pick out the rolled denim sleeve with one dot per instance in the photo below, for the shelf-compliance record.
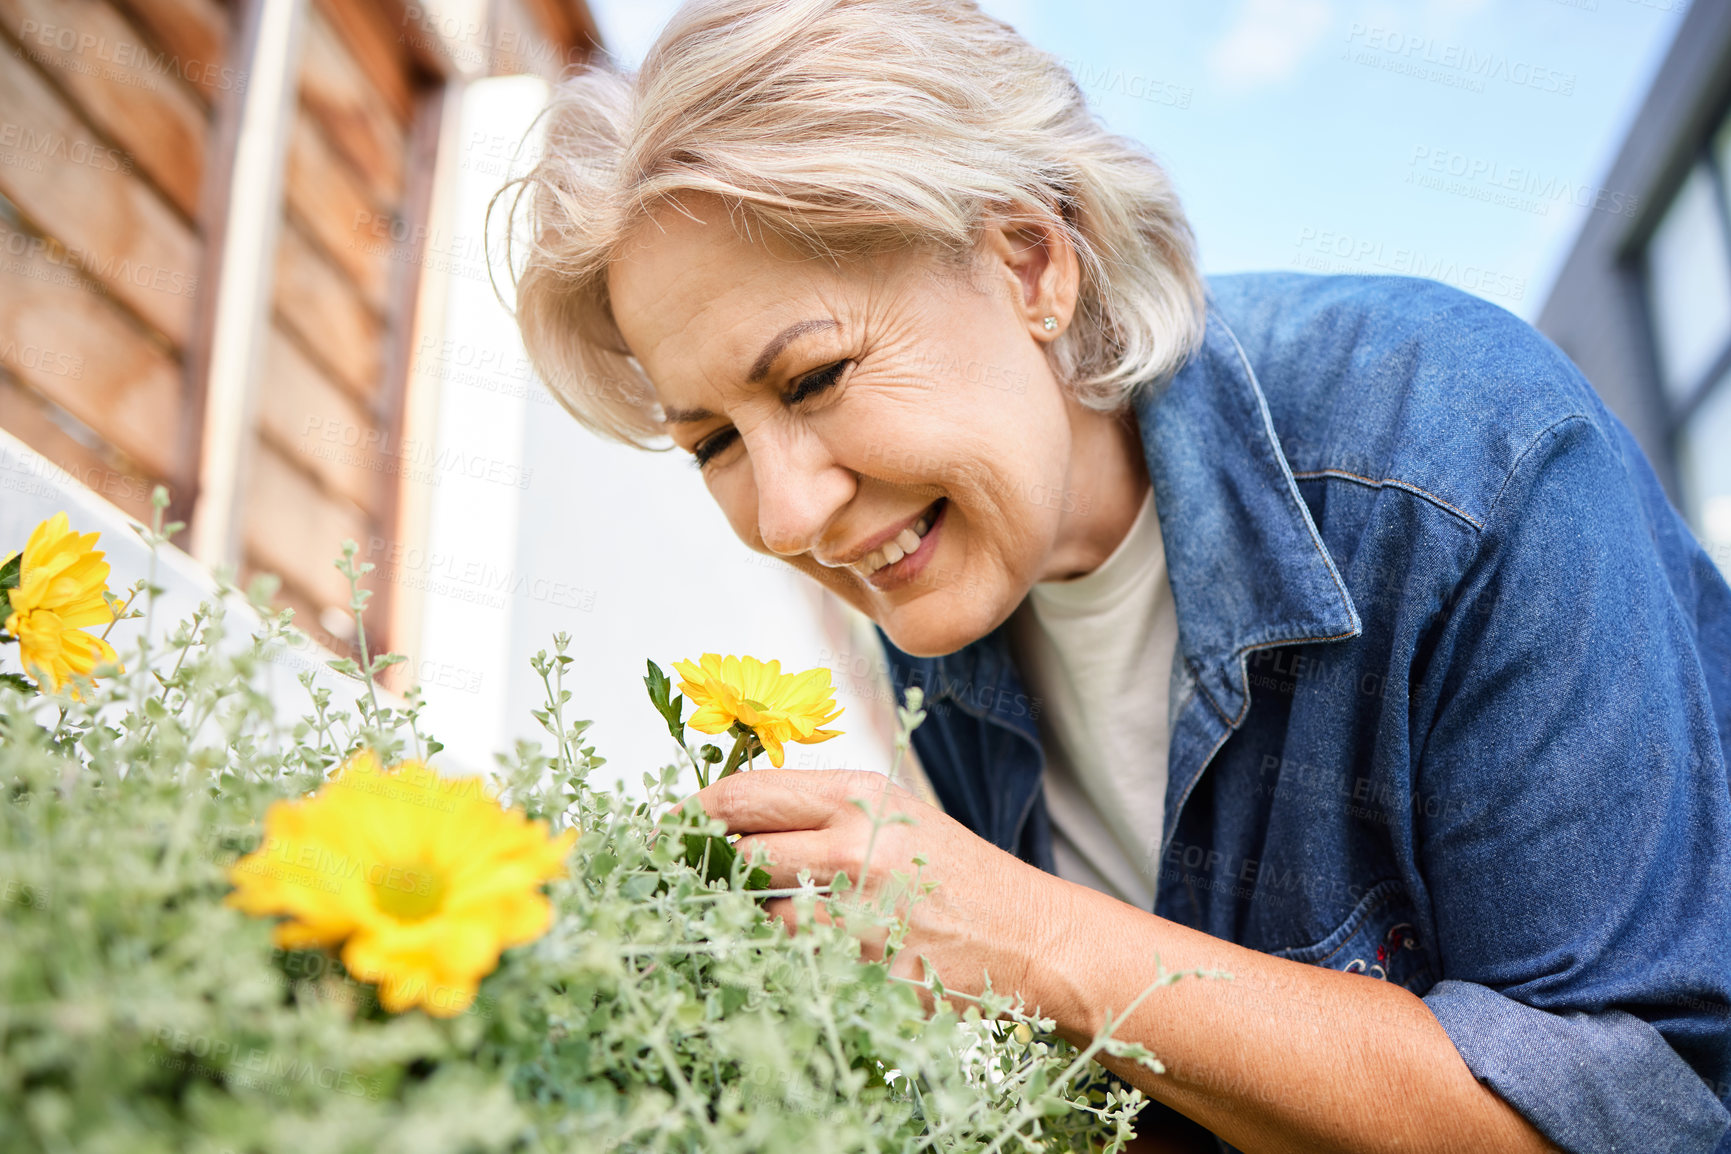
(1582, 899)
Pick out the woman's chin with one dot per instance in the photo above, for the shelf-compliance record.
(936, 625)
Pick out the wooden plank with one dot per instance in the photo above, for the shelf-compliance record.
(82, 193)
(377, 38)
(72, 346)
(194, 34)
(91, 52)
(352, 112)
(322, 309)
(42, 425)
(295, 530)
(330, 203)
(319, 426)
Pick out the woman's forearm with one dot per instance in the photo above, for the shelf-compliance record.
(1280, 1057)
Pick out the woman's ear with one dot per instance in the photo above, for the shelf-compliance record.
(1040, 265)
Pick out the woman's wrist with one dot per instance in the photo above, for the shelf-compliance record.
(1056, 936)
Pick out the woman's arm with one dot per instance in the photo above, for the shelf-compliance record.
(1282, 1056)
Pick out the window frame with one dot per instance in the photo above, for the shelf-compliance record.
(1677, 414)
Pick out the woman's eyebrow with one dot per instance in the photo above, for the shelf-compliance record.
(760, 367)
(684, 416)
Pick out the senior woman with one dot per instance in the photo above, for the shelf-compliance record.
(1325, 631)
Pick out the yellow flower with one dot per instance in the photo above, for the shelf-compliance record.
(778, 707)
(61, 580)
(424, 879)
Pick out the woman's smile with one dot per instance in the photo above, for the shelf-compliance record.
(900, 560)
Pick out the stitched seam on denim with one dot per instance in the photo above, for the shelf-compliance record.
(1391, 483)
(1394, 888)
(1422, 745)
(1548, 430)
(1382, 903)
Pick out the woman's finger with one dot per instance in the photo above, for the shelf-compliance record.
(772, 799)
(789, 852)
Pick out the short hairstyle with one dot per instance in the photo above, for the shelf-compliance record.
(850, 128)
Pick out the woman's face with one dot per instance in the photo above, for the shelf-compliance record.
(890, 428)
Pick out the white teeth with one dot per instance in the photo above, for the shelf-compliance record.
(905, 542)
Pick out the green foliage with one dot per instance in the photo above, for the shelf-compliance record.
(664, 1011)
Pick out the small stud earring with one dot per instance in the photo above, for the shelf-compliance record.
(1051, 324)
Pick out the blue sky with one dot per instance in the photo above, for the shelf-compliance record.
(1461, 139)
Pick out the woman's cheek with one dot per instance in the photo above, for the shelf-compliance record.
(735, 493)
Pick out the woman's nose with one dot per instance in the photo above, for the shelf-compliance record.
(799, 489)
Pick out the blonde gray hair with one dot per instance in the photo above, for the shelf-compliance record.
(851, 128)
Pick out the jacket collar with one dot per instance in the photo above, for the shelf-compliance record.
(1247, 566)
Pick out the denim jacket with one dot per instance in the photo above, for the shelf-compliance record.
(1452, 700)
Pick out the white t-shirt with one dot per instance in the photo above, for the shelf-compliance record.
(1097, 652)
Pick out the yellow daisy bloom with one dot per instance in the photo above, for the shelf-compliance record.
(778, 707)
(61, 580)
(423, 879)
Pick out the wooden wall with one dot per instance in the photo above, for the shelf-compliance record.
(117, 125)
(330, 455)
(106, 114)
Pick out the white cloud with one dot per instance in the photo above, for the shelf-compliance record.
(1267, 41)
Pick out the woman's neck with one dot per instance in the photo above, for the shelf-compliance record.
(1107, 485)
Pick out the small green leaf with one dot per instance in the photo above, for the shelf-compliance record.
(9, 572)
(659, 688)
(18, 681)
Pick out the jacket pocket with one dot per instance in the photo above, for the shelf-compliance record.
(1378, 939)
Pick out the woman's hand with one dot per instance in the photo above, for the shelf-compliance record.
(989, 913)
(1285, 1056)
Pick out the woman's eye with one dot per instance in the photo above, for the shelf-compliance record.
(804, 388)
(705, 450)
(814, 383)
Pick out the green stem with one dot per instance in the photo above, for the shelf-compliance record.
(743, 742)
(366, 659)
(119, 616)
